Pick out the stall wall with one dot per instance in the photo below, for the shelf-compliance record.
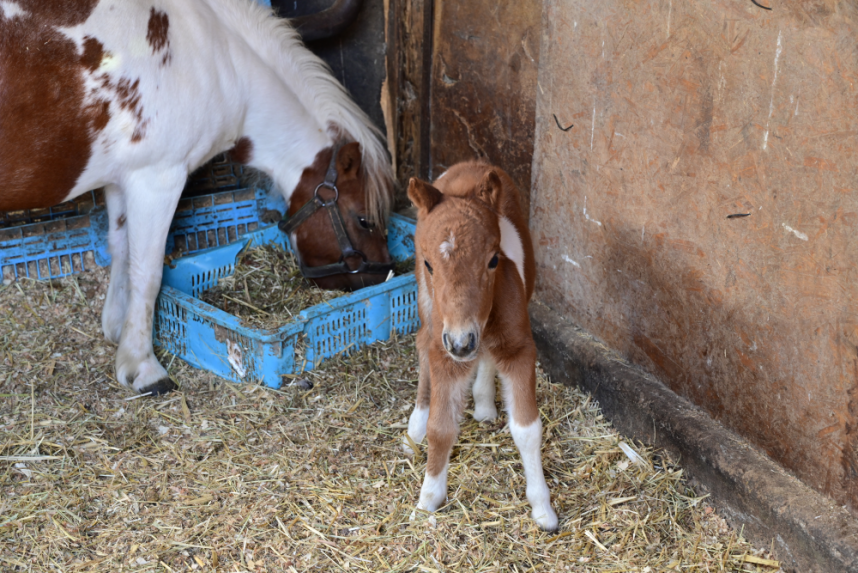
(483, 99)
(700, 215)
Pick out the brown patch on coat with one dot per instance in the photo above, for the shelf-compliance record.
(128, 98)
(157, 34)
(242, 151)
(63, 14)
(93, 53)
(46, 129)
(158, 30)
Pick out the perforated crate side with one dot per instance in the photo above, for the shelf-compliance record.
(211, 339)
(352, 321)
(55, 248)
(221, 218)
(403, 308)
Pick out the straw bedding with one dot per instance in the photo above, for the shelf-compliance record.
(228, 477)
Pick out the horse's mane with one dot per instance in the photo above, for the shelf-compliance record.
(278, 44)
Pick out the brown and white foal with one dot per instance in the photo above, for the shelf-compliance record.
(475, 273)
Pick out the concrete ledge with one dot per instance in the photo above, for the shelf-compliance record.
(810, 532)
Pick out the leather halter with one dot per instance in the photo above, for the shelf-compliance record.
(346, 249)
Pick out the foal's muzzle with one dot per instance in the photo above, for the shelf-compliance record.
(461, 346)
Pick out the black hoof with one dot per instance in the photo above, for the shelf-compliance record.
(303, 384)
(162, 386)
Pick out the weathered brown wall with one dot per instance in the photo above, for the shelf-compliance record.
(407, 103)
(484, 68)
(686, 113)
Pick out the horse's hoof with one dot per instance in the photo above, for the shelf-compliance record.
(162, 386)
(546, 519)
(485, 413)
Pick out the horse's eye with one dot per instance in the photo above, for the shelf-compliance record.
(363, 222)
(494, 262)
(428, 266)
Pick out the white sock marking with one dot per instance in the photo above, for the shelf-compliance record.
(434, 490)
(528, 440)
(416, 427)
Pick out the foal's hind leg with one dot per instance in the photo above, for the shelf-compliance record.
(518, 376)
(484, 391)
(420, 414)
(113, 314)
(151, 198)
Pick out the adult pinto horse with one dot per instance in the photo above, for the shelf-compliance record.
(133, 95)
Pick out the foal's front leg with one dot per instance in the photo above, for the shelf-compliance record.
(518, 377)
(449, 390)
(151, 197)
(420, 415)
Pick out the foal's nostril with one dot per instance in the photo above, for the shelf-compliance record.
(446, 340)
(472, 342)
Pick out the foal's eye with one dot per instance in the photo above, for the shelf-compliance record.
(428, 266)
(363, 222)
(494, 262)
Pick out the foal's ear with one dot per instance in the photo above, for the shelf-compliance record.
(423, 195)
(348, 160)
(489, 189)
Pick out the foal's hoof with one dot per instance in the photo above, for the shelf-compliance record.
(546, 519)
(485, 413)
(162, 386)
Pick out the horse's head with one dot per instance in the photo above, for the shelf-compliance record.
(458, 249)
(341, 245)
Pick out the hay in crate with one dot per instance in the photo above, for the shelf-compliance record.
(266, 289)
(228, 477)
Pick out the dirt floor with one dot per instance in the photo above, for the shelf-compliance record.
(226, 477)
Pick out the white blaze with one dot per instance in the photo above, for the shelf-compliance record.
(447, 246)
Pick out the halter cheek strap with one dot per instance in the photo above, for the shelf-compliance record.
(346, 249)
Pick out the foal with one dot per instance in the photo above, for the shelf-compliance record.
(475, 273)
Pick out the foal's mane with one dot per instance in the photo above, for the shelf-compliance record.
(278, 44)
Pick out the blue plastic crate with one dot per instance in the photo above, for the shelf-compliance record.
(63, 241)
(214, 340)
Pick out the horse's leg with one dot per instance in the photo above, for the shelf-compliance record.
(518, 377)
(446, 404)
(484, 391)
(420, 414)
(151, 197)
(113, 314)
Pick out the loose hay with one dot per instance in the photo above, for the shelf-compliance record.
(231, 477)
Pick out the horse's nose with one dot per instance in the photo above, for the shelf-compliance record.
(461, 345)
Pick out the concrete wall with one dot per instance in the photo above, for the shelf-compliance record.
(700, 216)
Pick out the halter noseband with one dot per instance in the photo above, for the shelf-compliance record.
(346, 249)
